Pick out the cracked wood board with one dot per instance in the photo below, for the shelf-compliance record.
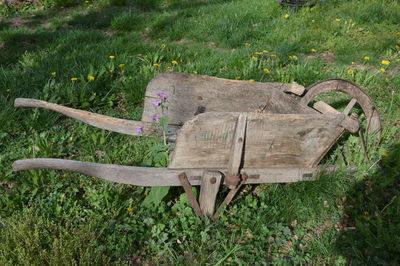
(272, 140)
(190, 94)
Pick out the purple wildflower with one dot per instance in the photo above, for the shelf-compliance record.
(140, 129)
(157, 117)
(162, 95)
(156, 102)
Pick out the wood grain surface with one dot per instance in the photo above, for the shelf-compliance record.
(272, 140)
(190, 94)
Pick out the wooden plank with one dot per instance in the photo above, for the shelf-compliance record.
(210, 138)
(124, 126)
(295, 89)
(209, 187)
(189, 94)
(349, 106)
(272, 140)
(236, 152)
(148, 176)
(348, 123)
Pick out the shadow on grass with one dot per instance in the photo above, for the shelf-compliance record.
(371, 223)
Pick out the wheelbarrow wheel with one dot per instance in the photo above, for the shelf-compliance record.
(357, 94)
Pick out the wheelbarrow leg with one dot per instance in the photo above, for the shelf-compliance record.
(209, 187)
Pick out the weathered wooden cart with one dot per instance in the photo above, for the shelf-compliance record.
(226, 131)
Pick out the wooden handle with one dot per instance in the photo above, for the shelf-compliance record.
(138, 176)
(124, 126)
(151, 176)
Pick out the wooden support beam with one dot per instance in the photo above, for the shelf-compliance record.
(209, 187)
(349, 106)
(236, 154)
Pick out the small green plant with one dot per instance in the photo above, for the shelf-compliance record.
(158, 154)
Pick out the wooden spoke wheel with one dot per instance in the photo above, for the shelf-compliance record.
(357, 94)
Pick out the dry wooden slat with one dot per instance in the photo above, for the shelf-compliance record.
(272, 140)
(189, 94)
(101, 121)
(349, 106)
(148, 176)
(348, 123)
(209, 187)
(236, 153)
(295, 89)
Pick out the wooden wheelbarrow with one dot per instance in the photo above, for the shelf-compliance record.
(226, 132)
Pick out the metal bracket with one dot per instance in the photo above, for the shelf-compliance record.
(188, 189)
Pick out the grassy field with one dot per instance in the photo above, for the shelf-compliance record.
(49, 51)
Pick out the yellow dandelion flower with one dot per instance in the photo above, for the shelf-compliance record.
(286, 15)
(91, 77)
(266, 70)
(265, 51)
(237, 77)
(168, 69)
(121, 65)
(385, 154)
(251, 80)
(53, 74)
(247, 44)
(293, 57)
(382, 69)
(273, 55)
(385, 62)
(174, 62)
(253, 58)
(350, 71)
(313, 50)
(129, 209)
(258, 53)
(112, 57)
(398, 33)
(1, 2)
(156, 65)
(337, 20)
(74, 79)
(367, 58)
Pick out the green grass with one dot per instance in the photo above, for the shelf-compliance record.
(53, 217)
